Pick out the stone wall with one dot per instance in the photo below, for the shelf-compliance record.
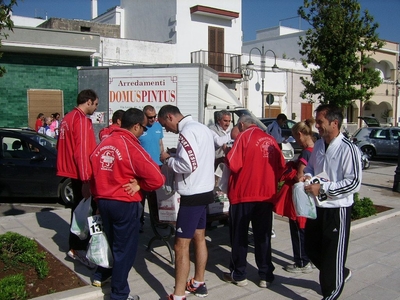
(105, 30)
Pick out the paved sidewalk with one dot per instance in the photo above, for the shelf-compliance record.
(374, 255)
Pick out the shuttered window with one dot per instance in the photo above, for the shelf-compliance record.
(216, 50)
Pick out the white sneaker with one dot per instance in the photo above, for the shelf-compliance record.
(293, 268)
(228, 278)
(98, 283)
(273, 234)
(348, 276)
(80, 255)
(264, 284)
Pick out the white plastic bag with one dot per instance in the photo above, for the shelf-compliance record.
(223, 173)
(169, 174)
(99, 251)
(79, 225)
(304, 204)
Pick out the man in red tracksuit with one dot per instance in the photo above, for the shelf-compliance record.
(121, 167)
(256, 164)
(75, 144)
(116, 123)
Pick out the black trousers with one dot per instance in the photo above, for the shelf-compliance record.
(297, 235)
(260, 215)
(326, 243)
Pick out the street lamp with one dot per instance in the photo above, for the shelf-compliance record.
(250, 66)
(396, 181)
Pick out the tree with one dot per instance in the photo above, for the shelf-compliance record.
(5, 23)
(339, 43)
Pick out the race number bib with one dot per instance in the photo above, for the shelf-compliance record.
(95, 224)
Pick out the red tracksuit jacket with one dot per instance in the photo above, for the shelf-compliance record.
(115, 161)
(75, 144)
(256, 164)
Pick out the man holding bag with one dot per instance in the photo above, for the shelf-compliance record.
(75, 144)
(327, 237)
(121, 167)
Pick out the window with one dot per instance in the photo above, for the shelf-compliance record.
(395, 134)
(18, 148)
(85, 29)
(216, 48)
(381, 134)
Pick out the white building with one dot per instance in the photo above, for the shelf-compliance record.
(384, 104)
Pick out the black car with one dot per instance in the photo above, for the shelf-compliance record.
(28, 166)
(287, 131)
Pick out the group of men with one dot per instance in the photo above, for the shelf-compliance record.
(119, 172)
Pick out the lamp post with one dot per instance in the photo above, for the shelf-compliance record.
(396, 181)
(250, 66)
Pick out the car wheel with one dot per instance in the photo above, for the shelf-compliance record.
(66, 193)
(369, 151)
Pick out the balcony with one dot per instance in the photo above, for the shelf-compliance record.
(226, 64)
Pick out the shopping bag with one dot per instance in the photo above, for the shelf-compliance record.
(79, 225)
(304, 204)
(99, 252)
(169, 185)
(223, 173)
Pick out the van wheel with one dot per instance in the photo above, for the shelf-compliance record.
(66, 193)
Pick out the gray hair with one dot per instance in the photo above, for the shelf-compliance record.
(247, 119)
(220, 114)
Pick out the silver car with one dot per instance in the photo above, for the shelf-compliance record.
(378, 141)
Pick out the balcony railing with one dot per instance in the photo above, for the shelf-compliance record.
(221, 62)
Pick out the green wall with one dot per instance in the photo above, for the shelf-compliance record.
(35, 71)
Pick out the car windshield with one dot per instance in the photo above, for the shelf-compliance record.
(239, 112)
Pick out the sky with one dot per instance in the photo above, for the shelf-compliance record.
(256, 14)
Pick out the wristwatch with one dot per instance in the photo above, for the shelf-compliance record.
(321, 190)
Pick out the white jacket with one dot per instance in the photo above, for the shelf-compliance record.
(220, 137)
(342, 164)
(194, 161)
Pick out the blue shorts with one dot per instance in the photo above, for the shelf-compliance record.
(189, 219)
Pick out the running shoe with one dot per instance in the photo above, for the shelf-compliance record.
(200, 291)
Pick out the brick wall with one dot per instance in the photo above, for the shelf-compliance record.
(33, 71)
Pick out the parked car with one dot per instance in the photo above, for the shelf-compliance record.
(370, 121)
(287, 131)
(28, 166)
(378, 141)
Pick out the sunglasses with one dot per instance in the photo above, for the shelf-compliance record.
(151, 117)
(144, 127)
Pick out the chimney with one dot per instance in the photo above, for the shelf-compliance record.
(94, 9)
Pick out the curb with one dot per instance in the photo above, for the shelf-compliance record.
(92, 293)
(374, 219)
(82, 293)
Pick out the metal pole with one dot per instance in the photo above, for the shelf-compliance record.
(262, 99)
(262, 81)
(396, 181)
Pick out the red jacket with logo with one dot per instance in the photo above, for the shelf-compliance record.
(76, 142)
(106, 131)
(256, 164)
(118, 159)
